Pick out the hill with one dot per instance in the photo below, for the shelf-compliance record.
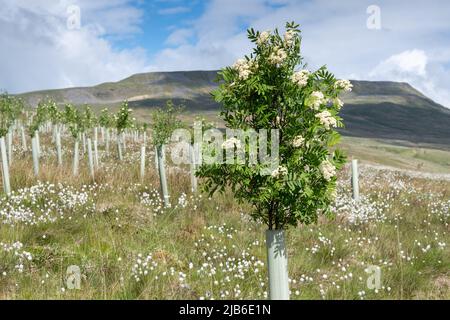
(374, 109)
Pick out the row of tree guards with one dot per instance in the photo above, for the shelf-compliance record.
(93, 155)
(84, 128)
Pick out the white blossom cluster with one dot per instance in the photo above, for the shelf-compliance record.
(243, 67)
(231, 143)
(280, 171)
(327, 169)
(326, 119)
(317, 99)
(277, 56)
(338, 103)
(263, 37)
(298, 141)
(289, 37)
(343, 85)
(300, 78)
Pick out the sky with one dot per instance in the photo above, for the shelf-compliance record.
(65, 43)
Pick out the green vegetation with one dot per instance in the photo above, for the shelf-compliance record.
(409, 157)
(208, 248)
(265, 91)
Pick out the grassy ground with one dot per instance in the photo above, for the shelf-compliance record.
(127, 246)
(413, 157)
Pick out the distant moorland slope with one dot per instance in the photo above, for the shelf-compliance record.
(374, 109)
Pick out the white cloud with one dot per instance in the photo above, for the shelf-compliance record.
(416, 68)
(405, 64)
(174, 10)
(179, 37)
(40, 52)
(219, 37)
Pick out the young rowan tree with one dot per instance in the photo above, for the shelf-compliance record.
(271, 89)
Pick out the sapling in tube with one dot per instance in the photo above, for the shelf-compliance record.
(89, 121)
(105, 121)
(271, 90)
(73, 120)
(123, 120)
(56, 121)
(9, 107)
(143, 129)
(39, 119)
(165, 121)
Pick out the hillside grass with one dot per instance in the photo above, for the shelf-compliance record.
(128, 246)
(413, 157)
